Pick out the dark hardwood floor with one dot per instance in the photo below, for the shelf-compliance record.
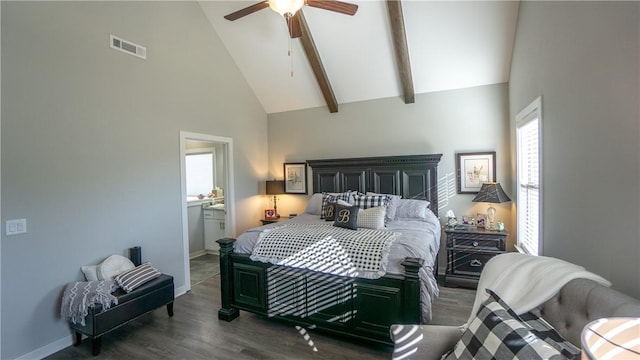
(204, 267)
(196, 333)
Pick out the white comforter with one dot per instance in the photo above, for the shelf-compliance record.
(419, 239)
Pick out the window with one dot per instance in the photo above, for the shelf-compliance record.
(200, 169)
(528, 124)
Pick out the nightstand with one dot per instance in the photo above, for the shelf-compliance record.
(271, 221)
(468, 250)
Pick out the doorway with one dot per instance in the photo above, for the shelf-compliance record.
(223, 186)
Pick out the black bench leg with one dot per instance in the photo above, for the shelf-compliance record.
(78, 339)
(170, 309)
(95, 345)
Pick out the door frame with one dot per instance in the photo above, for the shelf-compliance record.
(229, 192)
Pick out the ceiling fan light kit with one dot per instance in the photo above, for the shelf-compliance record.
(289, 8)
(286, 7)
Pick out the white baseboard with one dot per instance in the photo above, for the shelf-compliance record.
(48, 349)
(181, 290)
(197, 253)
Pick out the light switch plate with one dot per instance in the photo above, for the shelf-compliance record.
(14, 227)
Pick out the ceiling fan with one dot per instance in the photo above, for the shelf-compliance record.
(289, 10)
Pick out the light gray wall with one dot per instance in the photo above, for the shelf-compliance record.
(196, 228)
(584, 59)
(90, 145)
(447, 122)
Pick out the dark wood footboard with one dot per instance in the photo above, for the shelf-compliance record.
(354, 307)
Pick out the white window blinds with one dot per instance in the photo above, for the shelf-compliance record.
(529, 190)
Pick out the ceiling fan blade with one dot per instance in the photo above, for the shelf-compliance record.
(246, 11)
(334, 5)
(293, 24)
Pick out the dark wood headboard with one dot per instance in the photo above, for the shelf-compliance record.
(410, 176)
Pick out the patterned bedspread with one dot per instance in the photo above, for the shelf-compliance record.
(418, 239)
(326, 248)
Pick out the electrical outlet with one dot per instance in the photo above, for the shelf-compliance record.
(14, 227)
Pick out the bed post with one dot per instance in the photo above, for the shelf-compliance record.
(226, 312)
(412, 314)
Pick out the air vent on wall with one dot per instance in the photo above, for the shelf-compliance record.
(128, 47)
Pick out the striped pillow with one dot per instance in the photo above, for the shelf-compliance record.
(136, 277)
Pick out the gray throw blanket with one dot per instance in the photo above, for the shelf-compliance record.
(80, 296)
(322, 247)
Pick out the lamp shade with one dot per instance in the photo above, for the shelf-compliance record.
(275, 187)
(491, 192)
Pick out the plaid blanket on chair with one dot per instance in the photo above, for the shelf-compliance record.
(79, 296)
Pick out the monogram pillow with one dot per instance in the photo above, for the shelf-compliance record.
(330, 211)
(328, 198)
(347, 216)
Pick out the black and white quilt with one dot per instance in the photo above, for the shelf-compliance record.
(326, 248)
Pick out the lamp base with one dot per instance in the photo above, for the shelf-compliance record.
(491, 218)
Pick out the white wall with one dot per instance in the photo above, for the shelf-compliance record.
(584, 59)
(90, 145)
(447, 122)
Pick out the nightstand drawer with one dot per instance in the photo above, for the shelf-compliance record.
(469, 263)
(474, 242)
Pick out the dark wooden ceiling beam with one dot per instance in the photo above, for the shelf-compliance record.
(401, 49)
(311, 51)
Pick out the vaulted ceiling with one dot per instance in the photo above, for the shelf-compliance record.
(449, 45)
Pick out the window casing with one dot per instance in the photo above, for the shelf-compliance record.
(529, 168)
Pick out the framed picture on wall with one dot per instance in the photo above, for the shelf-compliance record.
(473, 169)
(295, 178)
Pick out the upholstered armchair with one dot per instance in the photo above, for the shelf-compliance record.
(571, 298)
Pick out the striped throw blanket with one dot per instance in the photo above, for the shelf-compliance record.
(326, 248)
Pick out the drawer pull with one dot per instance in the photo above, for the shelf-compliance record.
(475, 243)
(475, 263)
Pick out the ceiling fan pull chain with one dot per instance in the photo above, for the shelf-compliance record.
(290, 49)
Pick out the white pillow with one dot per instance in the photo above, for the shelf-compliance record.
(112, 266)
(409, 209)
(90, 272)
(391, 206)
(314, 206)
(372, 218)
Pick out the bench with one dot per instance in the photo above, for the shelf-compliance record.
(150, 296)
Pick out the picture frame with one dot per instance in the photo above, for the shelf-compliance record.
(481, 220)
(270, 214)
(473, 169)
(295, 178)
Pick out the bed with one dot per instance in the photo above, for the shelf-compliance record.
(358, 306)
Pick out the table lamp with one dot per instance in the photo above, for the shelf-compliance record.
(491, 192)
(275, 187)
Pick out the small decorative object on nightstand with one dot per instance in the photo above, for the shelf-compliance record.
(468, 250)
